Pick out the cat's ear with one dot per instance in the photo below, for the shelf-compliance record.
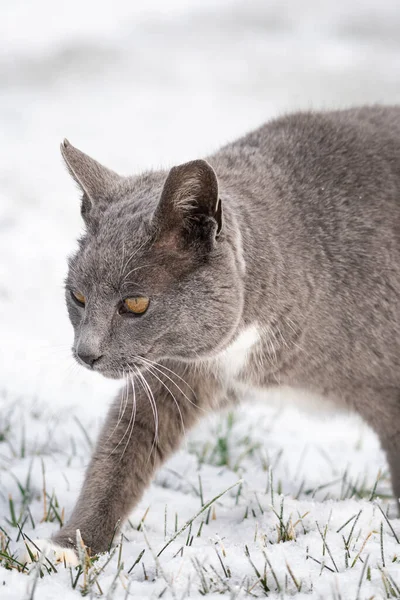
(95, 180)
(189, 203)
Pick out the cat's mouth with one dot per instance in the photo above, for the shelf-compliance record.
(134, 369)
(103, 365)
(98, 365)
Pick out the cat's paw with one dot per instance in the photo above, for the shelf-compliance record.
(40, 549)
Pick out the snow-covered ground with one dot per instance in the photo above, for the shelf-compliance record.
(143, 84)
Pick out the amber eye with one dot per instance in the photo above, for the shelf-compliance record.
(137, 305)
(79, 298)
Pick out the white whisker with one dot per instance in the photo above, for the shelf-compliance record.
(153, 405)
(122, 406)
(151, 370)
(153, 364)
(134, 415)
(127, 428)
(132, 271)
(132, 256)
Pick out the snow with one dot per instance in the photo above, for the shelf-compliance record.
(141, 85)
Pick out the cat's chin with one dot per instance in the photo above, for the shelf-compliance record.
(121, 374)
(107, 373)
(110, 374)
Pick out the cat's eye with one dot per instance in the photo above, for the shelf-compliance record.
(136, 305)
(78, 298)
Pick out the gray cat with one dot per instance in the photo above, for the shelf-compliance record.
(276, 262)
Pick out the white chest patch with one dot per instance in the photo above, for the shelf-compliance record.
(232, 360)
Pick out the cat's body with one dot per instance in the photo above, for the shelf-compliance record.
(296, 282)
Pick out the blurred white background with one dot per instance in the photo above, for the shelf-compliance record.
(139, 85)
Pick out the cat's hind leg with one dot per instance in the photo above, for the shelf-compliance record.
(381, 409)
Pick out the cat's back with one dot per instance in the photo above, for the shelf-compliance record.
(325, 187)
(354, 147)
(332, 143)
(326, 131)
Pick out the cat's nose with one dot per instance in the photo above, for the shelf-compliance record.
(88, 359)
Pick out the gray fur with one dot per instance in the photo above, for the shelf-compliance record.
(308, 250)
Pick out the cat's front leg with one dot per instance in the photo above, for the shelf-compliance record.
(144, 426)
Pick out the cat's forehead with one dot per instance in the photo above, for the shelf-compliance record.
(125, 246)
(126, 263)
(109, 257)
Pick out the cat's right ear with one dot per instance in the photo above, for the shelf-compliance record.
(189, 209)
(95, 181)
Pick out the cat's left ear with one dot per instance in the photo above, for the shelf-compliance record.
(190, 203)
(96, 181)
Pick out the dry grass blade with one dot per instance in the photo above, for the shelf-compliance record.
(190, 521)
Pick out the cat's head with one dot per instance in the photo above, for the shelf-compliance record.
(155, 275)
